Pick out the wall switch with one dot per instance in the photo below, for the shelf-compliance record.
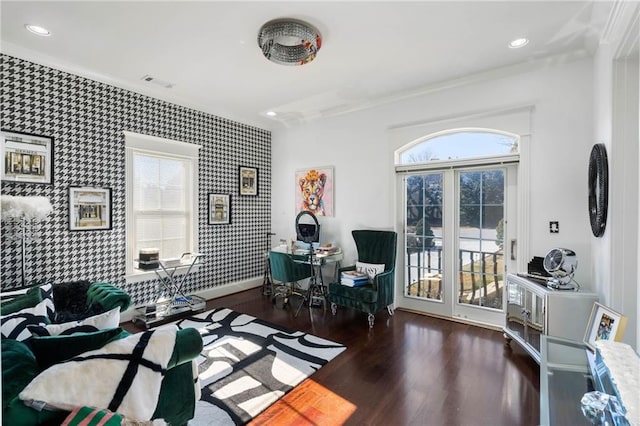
(554, 227)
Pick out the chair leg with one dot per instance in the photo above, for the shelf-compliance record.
(334, 309)
(371, 319)
(390, 310)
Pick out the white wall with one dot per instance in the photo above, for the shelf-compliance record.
(357, 146)
(616, 106)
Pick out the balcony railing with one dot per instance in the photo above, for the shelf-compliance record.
(480, 276)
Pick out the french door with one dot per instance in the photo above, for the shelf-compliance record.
(458, 241)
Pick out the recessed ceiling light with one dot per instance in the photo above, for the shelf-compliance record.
(37, 30)
(518, 43)
(272, 113)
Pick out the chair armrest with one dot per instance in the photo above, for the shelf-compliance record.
(108, 296)
(384, 279)
(188, 346)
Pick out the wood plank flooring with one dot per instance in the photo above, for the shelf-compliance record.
(409, 370)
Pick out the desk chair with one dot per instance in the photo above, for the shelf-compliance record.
(288, 272)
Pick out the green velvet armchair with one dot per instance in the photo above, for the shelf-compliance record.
(374, 247)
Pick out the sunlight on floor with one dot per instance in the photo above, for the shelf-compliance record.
(308, 404)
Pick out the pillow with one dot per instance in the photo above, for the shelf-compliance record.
(46, 293)
(371, 269)
(19, 367)
(14, 326)
(71, 296)
(105, 377)
(27, 300)
(109, 319)
(50, 350)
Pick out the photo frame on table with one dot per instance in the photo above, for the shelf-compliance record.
(26, 158)
(89, 208)
(314, 188)
(219, 209)
(604, 324)
(248, 180)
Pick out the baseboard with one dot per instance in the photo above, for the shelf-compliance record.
(209, 293)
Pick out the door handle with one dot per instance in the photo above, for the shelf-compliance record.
(514, 246)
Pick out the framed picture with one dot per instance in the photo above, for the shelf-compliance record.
(314, 190)
(219, 209)
(604, 324)
(248, 180)
(89, 208)
(26, 158)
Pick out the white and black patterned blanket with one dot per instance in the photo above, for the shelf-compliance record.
(124, 376)
(247, 364)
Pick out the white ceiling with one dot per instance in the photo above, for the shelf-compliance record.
(372, 52)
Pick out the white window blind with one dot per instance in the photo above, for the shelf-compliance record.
(161, 199)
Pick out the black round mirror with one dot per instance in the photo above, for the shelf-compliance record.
(598, 189)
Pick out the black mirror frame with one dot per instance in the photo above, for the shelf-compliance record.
(598, 189)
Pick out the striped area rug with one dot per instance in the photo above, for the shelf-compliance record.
(248, 364)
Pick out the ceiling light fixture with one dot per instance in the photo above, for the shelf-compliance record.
(38, 30)
(289, 41)
(518, 43)
(272, 113)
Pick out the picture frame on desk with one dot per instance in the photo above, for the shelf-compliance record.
(604, 324)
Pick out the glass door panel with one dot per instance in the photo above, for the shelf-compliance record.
(423, 236)
(480, 238)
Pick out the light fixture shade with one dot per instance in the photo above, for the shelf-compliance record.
(289, 41)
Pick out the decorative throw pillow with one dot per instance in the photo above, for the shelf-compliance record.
(50, 350)
(124, 376)
(109, 319)
(18, 303)
(46, 293)
(371, 269)
(19, 367)
(14, 326)
(70, 297)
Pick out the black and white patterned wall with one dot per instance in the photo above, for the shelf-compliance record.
(86, 119)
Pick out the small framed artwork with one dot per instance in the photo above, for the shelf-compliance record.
(219, 209)
(248, 180)
(604, 324)
(314, 190)
(89, 208)
(26, 158)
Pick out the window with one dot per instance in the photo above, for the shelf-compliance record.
(161, 198)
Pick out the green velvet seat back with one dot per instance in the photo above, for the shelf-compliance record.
(108, 296)
(283, 268)
(376, 247)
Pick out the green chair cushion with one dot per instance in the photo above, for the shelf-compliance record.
(365, 293)
(27, 300)
(50, 350)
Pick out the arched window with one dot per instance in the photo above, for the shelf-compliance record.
(460, 144)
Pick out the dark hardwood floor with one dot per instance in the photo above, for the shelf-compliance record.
(409, 370)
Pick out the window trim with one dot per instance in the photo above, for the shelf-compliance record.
(135, 142)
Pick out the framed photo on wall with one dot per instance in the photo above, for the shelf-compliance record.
(219, 209)
(604, 324)
(26, 158)
(89, 208)
(314, 190)
(248, 180)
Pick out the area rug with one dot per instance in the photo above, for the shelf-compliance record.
(247, 364)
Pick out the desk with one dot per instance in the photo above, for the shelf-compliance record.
(302, 256)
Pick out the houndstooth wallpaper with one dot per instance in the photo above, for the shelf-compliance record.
(86, 119)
